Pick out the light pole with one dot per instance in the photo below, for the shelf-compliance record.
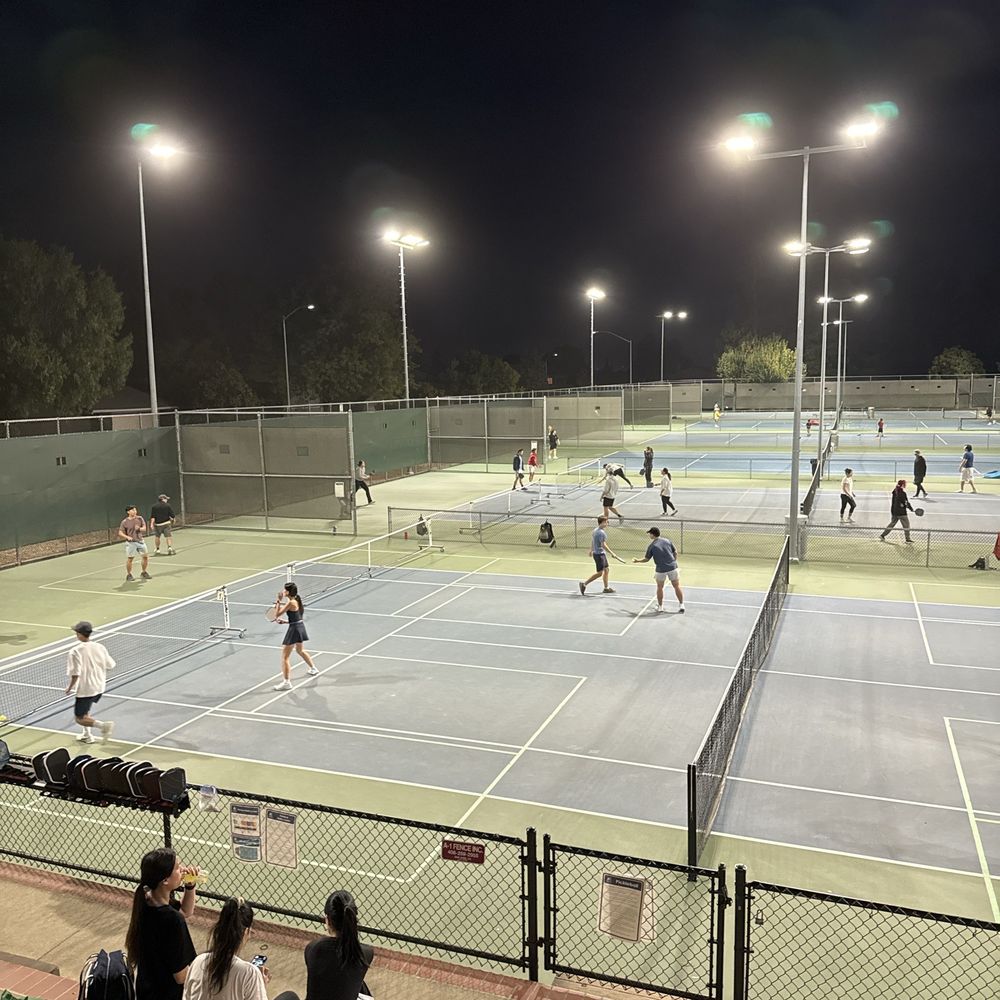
(857, 134)
(663, 318)
(161, 151)
(545, 362)
(284, 338)
(595, 295)
(854, 247)
(841, 340)
(404, 241)
(627, 341)
(842, 325)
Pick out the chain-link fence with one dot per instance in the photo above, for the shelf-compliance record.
(647, 925)
(797, 945)
(732, 539)
(864, 546)
(425, 889)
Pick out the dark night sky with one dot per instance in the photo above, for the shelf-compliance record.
(541, 147)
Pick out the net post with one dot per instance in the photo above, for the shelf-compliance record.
(225, 606)
(289, 572)
(692, 818)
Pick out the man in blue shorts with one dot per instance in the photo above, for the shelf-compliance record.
(600, 551)
(664, 556)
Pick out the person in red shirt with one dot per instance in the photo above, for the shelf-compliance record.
(532, 465)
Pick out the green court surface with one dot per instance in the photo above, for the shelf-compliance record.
(41, 600)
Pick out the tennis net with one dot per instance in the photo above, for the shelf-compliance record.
(327, 574)
(707, 775)
(36, 681)
(810, 498)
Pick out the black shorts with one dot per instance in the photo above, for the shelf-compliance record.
(82, 706)
(608, 501)
(600, 561)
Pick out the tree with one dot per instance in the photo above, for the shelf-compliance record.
(475, 373)
(956, 361)
(61, 342)
(757, 359)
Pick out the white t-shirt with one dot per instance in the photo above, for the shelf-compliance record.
(610, 486)
(244, 982)
(666, 486)
(89, 661)
(847, 486)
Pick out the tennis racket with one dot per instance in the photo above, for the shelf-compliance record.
(919, 511)
(619, 559)
(271, 614)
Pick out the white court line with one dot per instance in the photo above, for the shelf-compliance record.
(698, 459)
(534, 736)
(113, 593)
(10, 621)
(398, 613)
(895, 684)
(638, 615)
(920, 620)
(977, 840)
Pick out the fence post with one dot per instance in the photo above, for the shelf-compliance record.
(166, 830)
(530, 900)
(722, 901)
(741, 936)
(928, 560)
(548, 902)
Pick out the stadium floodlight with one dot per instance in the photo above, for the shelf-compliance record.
(860, 297)
(161, 151)
(404, 242)
(857, 134)
(595, 295)
(669, 314)
(841, 325)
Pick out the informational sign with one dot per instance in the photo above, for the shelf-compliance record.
(459, 850)
(281, 843)
(626, 908)
(245, 831)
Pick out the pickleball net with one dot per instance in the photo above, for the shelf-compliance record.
(35, 681)
(706, 777)
(321, 576)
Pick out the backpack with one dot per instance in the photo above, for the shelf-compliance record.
(546, 536)
(980, 563)
(106, 976)
(422, 528)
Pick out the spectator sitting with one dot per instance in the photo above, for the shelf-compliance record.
(158, 938)
(220, 973)
(336, 965)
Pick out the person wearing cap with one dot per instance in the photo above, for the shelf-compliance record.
(87, 668)
(664, 556)
(161, 519)
(132, 531)
(919, 472)
(900, 504)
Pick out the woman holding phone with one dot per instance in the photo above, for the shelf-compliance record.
(220, 973)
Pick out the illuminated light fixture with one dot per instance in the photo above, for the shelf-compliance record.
(740, 144)
(163, 150)
(864, 129)
(682, 315)
(796, 248)
(595, 294)
(404, 242)
(861, 297)
(668, 315)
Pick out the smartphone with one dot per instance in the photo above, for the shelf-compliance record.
(259, 961)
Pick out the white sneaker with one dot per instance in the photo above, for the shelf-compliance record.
(85, 738)
(659, 608)
(283, 686)
(107, 728)
(680, 610)
(312, 671)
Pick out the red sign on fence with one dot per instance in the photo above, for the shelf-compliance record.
(459, 850)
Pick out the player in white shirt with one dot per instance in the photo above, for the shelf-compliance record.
(87, 668)
(847, 495)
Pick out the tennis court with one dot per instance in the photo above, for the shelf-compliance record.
(505, 689)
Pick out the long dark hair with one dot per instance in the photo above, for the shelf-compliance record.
(293, 591)
(342, 914)
(155, 866)
(225, 940)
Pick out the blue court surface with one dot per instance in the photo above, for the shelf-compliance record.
(874, 728)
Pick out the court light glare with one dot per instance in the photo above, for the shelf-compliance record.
(163, 151)
(682, 315)
(310, 306)
(823, 299)
(796, 248)
(859, 245)
(595, 294)
(391, 235)
(864, 128)
(861, 297)
(739, 144)
(668, 315)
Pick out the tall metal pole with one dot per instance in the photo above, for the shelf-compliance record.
(822, 362)
(793, 493)
(153, 405)
(288, 384)
(402, 299)
(630, 362)
(841, 346)
(591, 343)
(663, 320)
(845, 323)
